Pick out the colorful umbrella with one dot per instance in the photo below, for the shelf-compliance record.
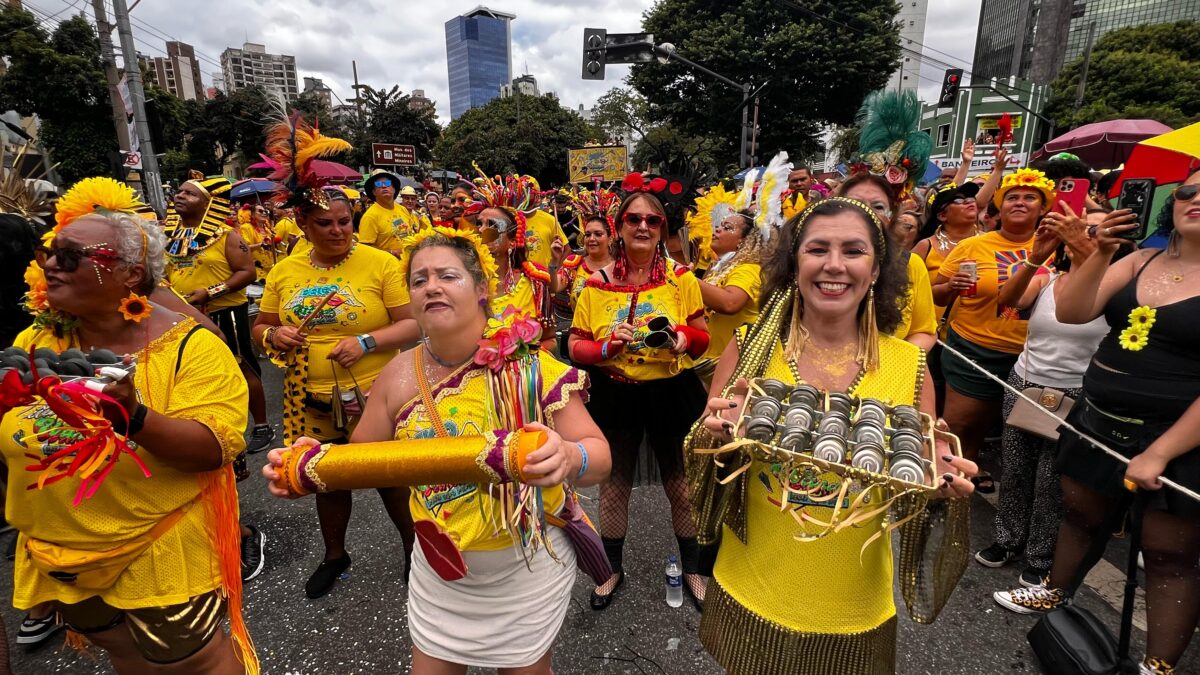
(1103, 145)
(1168, 158)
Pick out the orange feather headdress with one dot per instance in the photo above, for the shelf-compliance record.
(292, 145)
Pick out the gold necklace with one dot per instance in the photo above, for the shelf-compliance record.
(1177, 276)
(945, 243)
(325, 268)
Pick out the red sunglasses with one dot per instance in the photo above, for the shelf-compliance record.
(652, 220)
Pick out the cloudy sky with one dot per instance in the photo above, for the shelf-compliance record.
(403, 41)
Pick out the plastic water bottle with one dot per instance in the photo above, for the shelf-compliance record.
(674, 582)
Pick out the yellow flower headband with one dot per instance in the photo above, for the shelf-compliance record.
(490, 270)
(1026, 178)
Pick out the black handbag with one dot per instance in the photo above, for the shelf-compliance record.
(1071, 641)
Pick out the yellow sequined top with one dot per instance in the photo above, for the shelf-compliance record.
(818, 586)
(208, 388)
(463, 402)
(205, 269)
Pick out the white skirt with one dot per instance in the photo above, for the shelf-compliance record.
(501, 615)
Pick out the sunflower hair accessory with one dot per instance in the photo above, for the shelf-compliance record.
(1031, 179)
(486, 261)
(98, 194)
(1137, 333)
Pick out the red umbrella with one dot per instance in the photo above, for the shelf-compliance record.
(337, 173)
(1103, 145)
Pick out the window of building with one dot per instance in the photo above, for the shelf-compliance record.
(927, 132)
(943, 136)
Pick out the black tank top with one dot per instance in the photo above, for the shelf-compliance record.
(1159, 382)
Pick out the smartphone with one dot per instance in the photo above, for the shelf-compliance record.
(1137, 195)
(1073, 192)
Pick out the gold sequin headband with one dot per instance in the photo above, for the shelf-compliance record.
(881, 243)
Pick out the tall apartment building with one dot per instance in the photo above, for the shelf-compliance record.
(1033, 39)
(253, 66)
(911, 18)
(317, 87)
(478, 57)
(178, 72)
(418, 100)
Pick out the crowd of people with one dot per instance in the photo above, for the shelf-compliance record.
(476, 356)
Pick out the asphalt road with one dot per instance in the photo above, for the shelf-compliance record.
(361, 626)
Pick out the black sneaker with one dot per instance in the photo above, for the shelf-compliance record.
(323, 579)
(1032, 576)
(252, 553)
(996, 556)
(261, 439)
(35, 631)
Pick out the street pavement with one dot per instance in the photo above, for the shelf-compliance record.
(361, 626)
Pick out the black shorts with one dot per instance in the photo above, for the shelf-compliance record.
(1083, 462)
(234, 322)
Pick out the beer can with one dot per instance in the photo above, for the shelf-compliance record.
(762, 406)
(871, 410)
(841, 403)
(761, 429)
(776, 389)
(798, 417)
(972, 268)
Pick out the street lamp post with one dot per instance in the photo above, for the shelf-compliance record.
(666, 51)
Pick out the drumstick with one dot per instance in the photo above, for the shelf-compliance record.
(317, 310)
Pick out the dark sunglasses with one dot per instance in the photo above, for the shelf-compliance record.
(383, 182)
(652, 220)
(962, 199)
(492, 229)
(1186, 193)
(67, 258)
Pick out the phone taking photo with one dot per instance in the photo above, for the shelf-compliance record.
(1137, 195)
(1073, 192)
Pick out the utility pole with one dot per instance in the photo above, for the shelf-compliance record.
(109, 61)
(151, 178)
(357, 93)
(1083, 70)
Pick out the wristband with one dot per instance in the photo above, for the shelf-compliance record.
(367, 343)
(137, 420)
(583, 460)
(1031, 265)
(604, 350)
(267, 342)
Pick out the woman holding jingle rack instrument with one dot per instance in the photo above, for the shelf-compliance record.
(332, 317)
(477, 596)
(831, 293)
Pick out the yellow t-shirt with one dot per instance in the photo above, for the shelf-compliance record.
(262, 247)
(748, 277)
(980, 318)
(576, 271)
(803, 586)
(287, 228)
(602, 306)
(793, 204)
(918, 314)
(541, 229)
(463, 402)
(384, 228)
(208, 388)
(207, 268)
(368, 283)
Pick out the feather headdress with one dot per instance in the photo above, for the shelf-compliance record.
(514, 194)
(18, 194)
(292, 145)
(597, 202)
(769, 216)
(892, 144)
(713, 207)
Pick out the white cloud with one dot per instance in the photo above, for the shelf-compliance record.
(403, 41)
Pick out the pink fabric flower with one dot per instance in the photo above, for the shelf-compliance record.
(527, 330)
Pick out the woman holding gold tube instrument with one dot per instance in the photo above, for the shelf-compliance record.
(477, 595)
(823, 605)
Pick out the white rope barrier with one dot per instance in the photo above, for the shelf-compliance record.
(1107, 450)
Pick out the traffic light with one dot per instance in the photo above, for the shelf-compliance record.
(594, 53)
(950, 84)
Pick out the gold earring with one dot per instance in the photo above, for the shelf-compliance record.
(797, 333)
(868, 334)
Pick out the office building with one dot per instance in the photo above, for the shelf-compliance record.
(419, 101)
(478, 57)
(316, 87)
(1033, 39)
(178, 72)
(525, 85)
(252, 66)
(911, 18)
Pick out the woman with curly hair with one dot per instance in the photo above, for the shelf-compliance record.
(776, 605)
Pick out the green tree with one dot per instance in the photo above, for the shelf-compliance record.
(661, 148)
(316, 110)
(520, 134)
(1150, 71)
(821, 59)
(228, 127)
(389, 117)
(58, 77)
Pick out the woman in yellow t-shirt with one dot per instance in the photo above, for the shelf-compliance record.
(181, 412)
(988, 333)
(636, 322)
(503, 603)
(777, 605)
(259, 235)
(730, 287)
(918, 323)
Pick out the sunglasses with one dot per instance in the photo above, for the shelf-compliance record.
(492, 229)
(960, 200)
(462, 199)
(383, 182)
(67, 258)
(652, 220)
(1186, 193)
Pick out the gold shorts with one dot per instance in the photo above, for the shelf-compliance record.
(161, 634)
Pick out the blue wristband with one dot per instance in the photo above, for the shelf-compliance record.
(604, 350)
(583, 463)
(363, 343)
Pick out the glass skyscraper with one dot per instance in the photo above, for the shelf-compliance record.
(478, 57)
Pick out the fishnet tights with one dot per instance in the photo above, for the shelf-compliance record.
(1171, 548)
(614, 493)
